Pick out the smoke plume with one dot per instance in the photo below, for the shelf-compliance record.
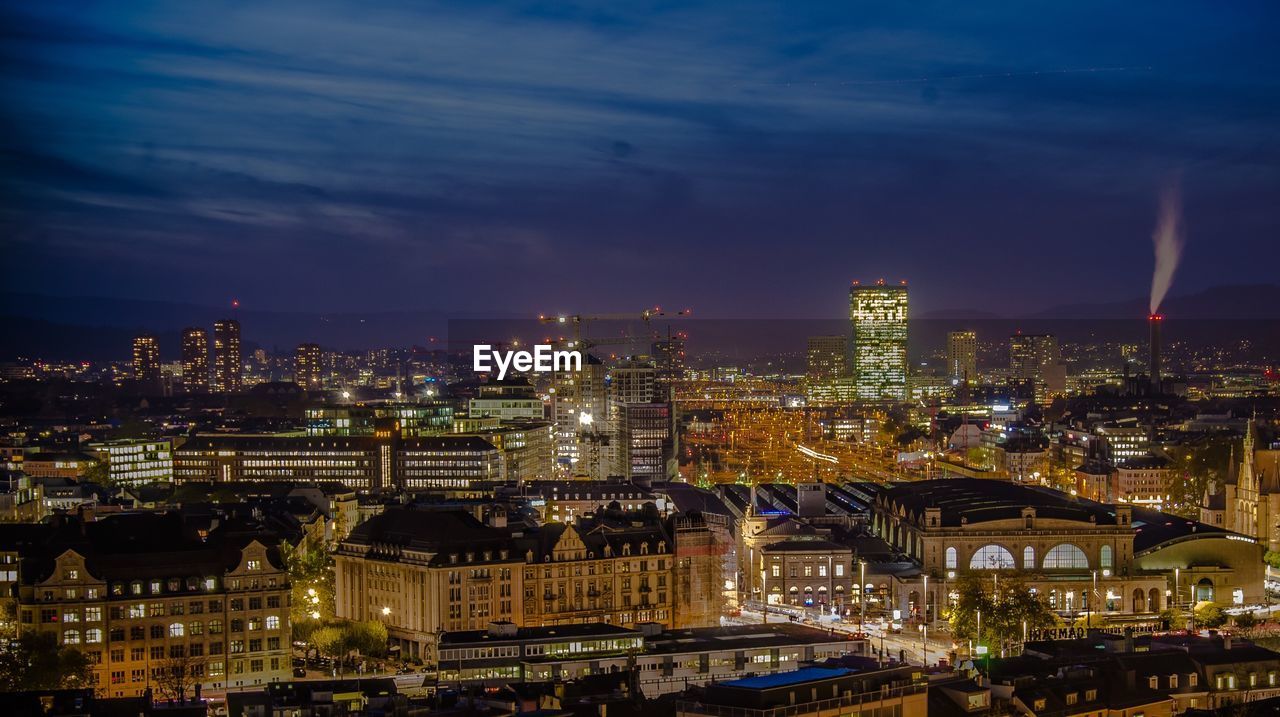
(1168, 241)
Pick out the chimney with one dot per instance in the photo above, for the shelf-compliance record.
(1155, 320)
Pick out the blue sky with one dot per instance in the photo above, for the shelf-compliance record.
(744, 158)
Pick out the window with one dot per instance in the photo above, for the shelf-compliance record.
(93, 614)
(1090, 695)
(1153, 682)
(951, 558)
(1173, 682)
(93, 635)
(839, 570)
(777, 571)
(1065, 556)
(176, 630)
(1028, 558)
(1104, 556)
(273, 622)
(71, 637)
(215, 627)
(196, 628)
(157, 632)
(992, 557)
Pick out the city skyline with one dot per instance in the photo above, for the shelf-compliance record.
(182, 154)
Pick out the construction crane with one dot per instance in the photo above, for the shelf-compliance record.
(577, 321)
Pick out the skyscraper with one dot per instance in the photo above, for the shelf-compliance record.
(146, 361)
(227, 365)
(195, 360)
(306, 367)
(879, 316)
(962, 356)
(1034, 358)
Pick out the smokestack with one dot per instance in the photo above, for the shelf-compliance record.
(1155, 320)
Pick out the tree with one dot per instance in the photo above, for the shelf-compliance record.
(367, 638)
(176, 676)
(1006, 611)
(1209, 614)
(35, 662)
(311, 579)
(98, 472)
(330, 641)
(1191, 470)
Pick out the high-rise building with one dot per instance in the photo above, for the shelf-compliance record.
(879, 316)
(827, 371)
(306, 367)
(962, 356)
(146, 361)
(669, 356)
(227, 366)
(1034, 358)
(195, 360)
(828, 357)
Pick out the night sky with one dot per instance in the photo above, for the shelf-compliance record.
(743, 158)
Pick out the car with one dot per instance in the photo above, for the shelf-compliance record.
(299, 672)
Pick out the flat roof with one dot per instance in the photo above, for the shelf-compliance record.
(784, 679)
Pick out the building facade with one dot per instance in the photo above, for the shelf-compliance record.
(142, 596)
(195, 360)
(879, 316)
(228, 366)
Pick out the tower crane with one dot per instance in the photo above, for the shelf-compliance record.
(578, 320)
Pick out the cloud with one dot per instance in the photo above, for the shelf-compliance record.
(615, 139)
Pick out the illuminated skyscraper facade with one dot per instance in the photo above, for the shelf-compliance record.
(146, 360)
(227, 365)
(306, 367)
(878, 313)
(962, 356)
(195, 360)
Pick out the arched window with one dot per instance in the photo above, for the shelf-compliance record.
(1104, 556)
(992, 557)
(951, 558)
(1065, 555)
(1028, 558)
(176, 630)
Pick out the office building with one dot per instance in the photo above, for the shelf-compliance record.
(506, 400)
(227, 364)
(132, 462)
(405, 419)
(379, 462)
(879, 316)
(307, 367)
(146, 362)
(962, 356)
(195, 360)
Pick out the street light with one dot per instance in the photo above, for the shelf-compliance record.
(862, 595)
